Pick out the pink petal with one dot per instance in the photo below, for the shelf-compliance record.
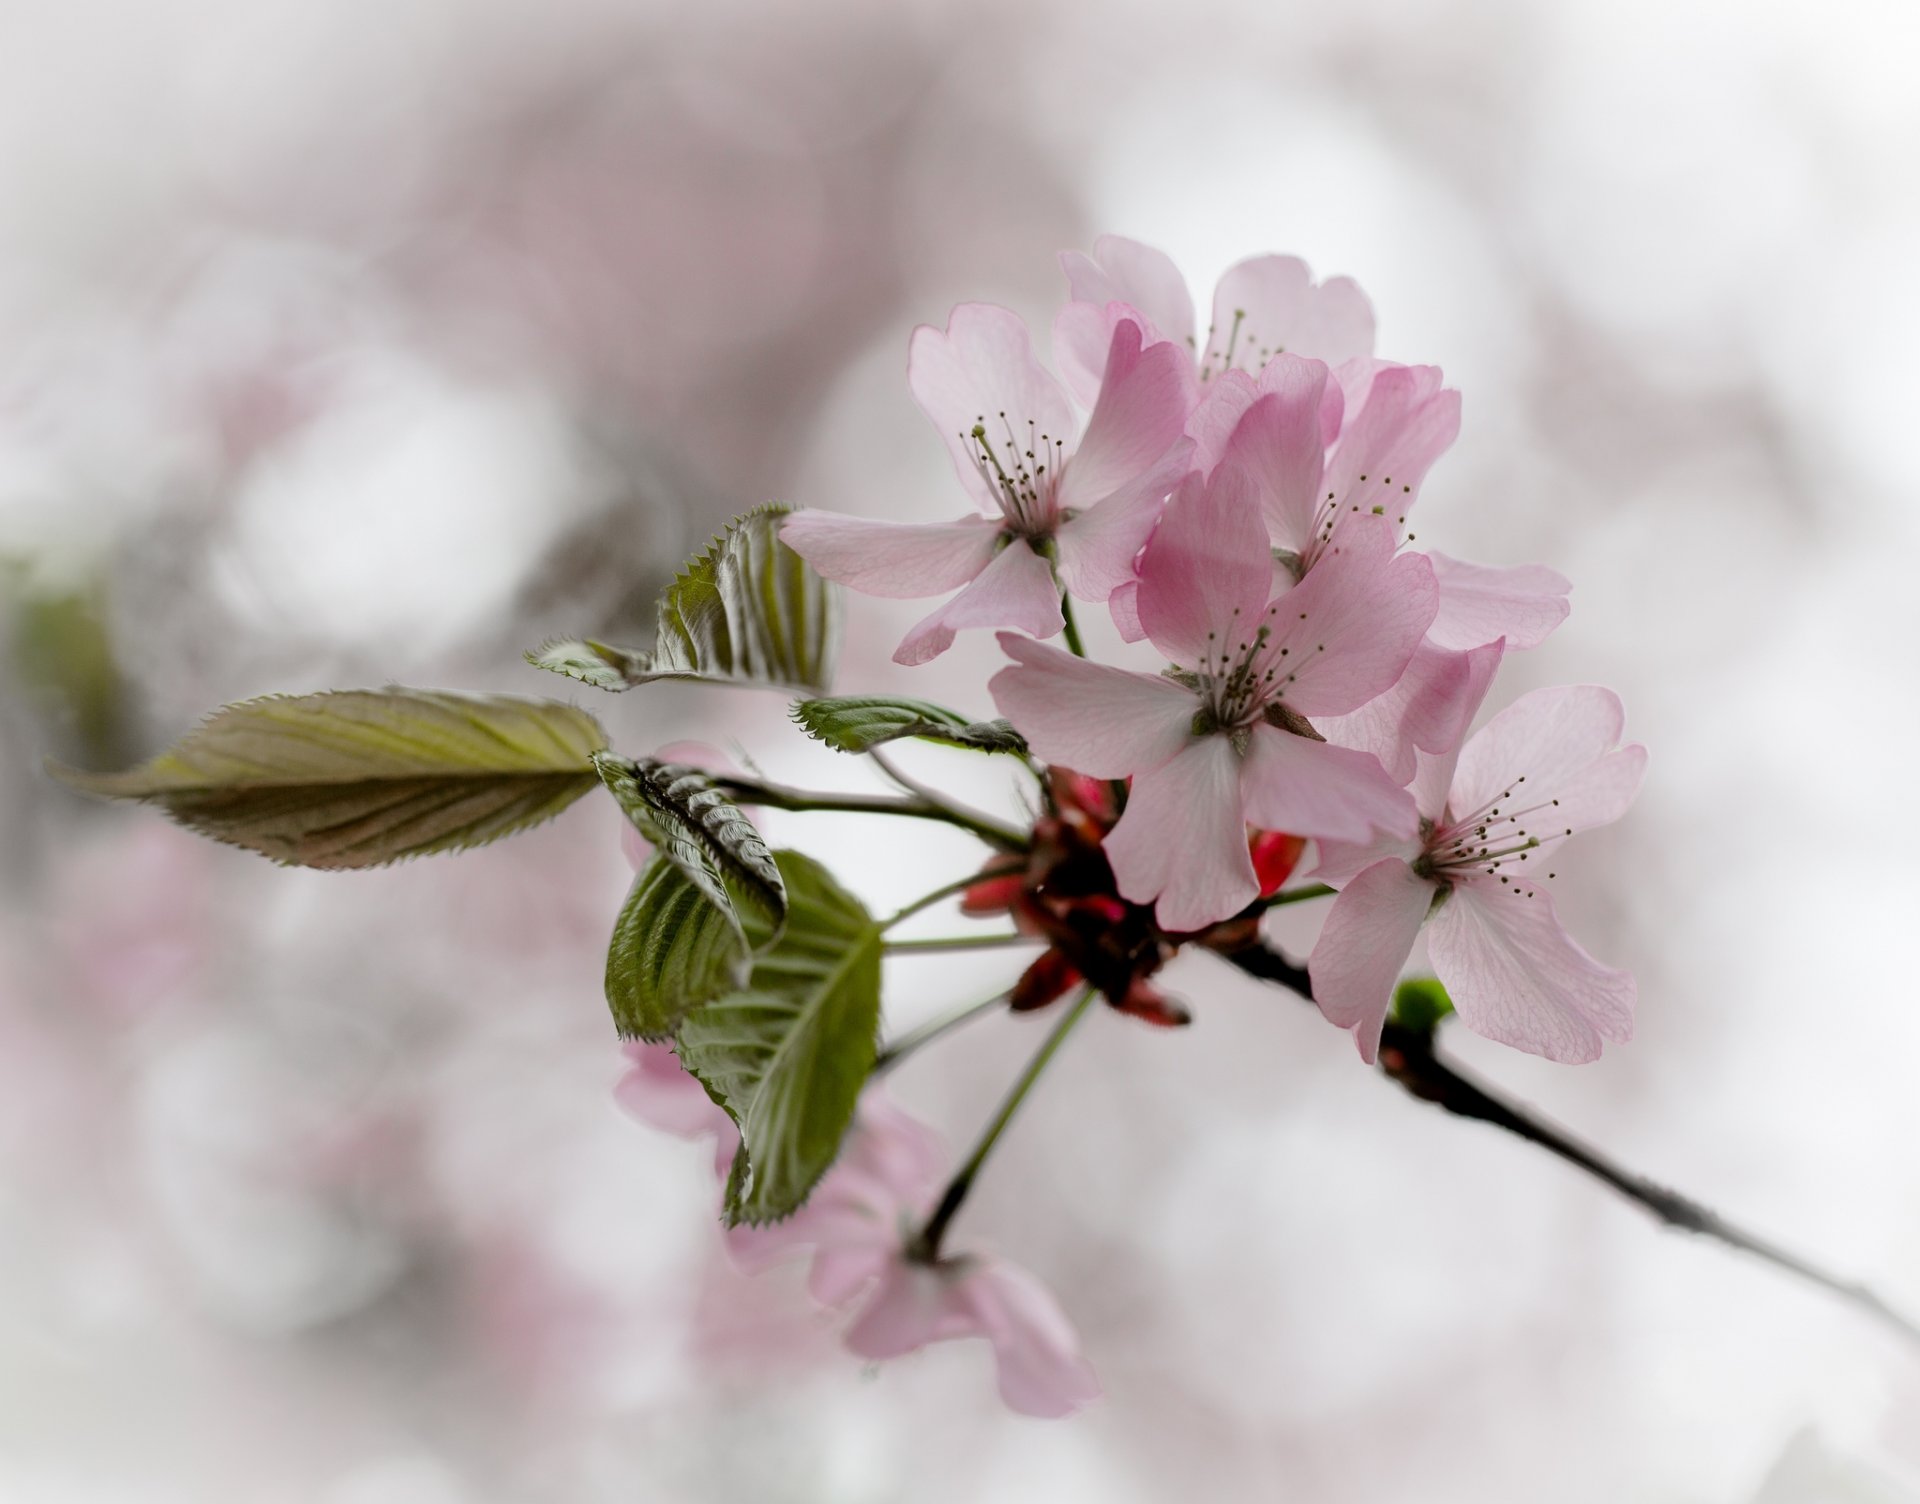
(896, 560)
(1133, 273)
(912, 1305)
(1517, 977)
(1564, 743)
(1119, 271)
(1037, 1353)
(1311, 788)
(1140, 415)
(1362, 946)
(1406, 423)
(1276, 447)
(1223, 403)
(1206, 571)
(1096, 550)
(1346, 631)
(1427, 710)
(1339, 862)
(1015, 590)
(1478, 603)
(1433, 780)
(1182, 839)
(1283, 312)
(839, 1274)
(1096, 719)
(982, 370)
(1124, 606)
(658, 1091)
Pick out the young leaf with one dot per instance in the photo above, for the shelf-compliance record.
(858, 723)
(673, 949)
(359, 778)
(699, 830)
(747, 611)
(788, 1056)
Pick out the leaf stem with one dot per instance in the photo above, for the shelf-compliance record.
(925, 1247)
(1070, 629)
(1297, 895)
(962, 942)
(947, 890)
(779, 796)
(1409, 1057)
(891, 1055)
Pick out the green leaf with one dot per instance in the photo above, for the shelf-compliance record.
(747, 611)
(359, 778)
(699, 830)
(673, 949)
(858, 723)
(1420, 1003)
(787, 1057)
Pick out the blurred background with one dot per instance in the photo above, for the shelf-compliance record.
(345, 342)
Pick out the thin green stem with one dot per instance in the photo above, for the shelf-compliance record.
(947, 890)
(779, 796)
(961, 942)
(1297, 895)
(926, 1033)
(1071, 629)
(926, 1247)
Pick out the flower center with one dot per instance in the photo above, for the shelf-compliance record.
(1241, 345)
(1504, 838)
(1359, 498)
(1243, 673)
(1022, 473)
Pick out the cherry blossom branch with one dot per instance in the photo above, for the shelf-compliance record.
(997, 868)
(926, 1247)
(779, 796)
(891, 1055)
(1408, 1055)
(1070, 629)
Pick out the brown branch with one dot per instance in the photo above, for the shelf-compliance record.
(1409, 1056)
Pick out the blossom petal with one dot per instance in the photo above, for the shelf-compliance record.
(1223, 402)
(1314, 788)
(1427, 710)
(895, 560)
(1206, 572)
(1015, 590)
(1268, 305)
(1478, 603)
(1516, 976)
(1036, 1351)
(912, 1305)
(1096, 550)
(1133, 273)
(1120, 272)
(1433, 778)
(982, 370)
(1362, 946)
(1564, 743)
(1124, 606)
(1345, 632)
(1091, 717)
(1406, 423)
(1182, 839)
(1277, 449)
(1143, 406)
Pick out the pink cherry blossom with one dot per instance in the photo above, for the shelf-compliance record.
(1057, 500)
(1223, 741)
(1263, 307)
(859, 1224)
(1036, 1355)
(1492, 814)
